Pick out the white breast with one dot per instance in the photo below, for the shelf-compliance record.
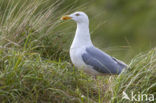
(75, 55)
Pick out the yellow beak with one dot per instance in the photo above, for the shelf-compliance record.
(66, 17)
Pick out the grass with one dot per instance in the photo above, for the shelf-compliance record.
(27, 78)
(31, 24)
(35, 67)
(139, 78)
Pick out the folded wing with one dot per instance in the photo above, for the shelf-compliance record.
(102, 62)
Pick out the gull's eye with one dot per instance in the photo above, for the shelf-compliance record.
(77, 14)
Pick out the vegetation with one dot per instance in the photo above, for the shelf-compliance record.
(34, 61)
(139, 78)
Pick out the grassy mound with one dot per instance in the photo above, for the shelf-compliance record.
(26, 78)
(139, 79)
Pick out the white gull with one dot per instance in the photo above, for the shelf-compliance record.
(84, 55)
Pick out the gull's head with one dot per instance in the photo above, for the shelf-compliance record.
(78, 17)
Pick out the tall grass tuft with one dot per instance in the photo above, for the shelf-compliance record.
(139, 78)
(30, 25)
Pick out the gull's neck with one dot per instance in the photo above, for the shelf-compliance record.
(82, 36)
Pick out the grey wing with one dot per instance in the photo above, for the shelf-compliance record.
(101, 61)
(121, 63)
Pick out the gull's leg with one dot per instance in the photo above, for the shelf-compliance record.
(110, 83)
(110, 79)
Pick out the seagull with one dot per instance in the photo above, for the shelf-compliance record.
(85, 56)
